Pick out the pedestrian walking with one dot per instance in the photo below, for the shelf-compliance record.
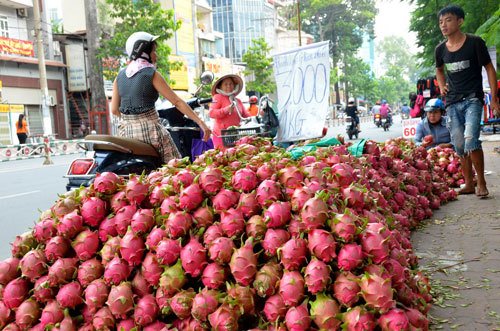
(22, 129)
(459, 61)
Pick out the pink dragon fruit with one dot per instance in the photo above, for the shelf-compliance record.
(274, 308)
(346, 289)
(96, 295)
(70, 225)
(86, 244)
(118, 201)
(183, 178)
(140, 286)
(213, 232)
(123, 218)
(394, 319)
(168, 251)
(292, 287)
(322, 245)
(358, 318)
(314, 213)
(317, 276)
(267, 279)
(128, 325)
(417, 320)
(121, 300)
(56, 248)
(296, 226)
(291, 177)
(67, 323)
(158, 325)
(203, 216)
(23, 244)
(344, 227)
(132, 248)
(299, 197)
(27, 314)
(158, 194)
(193, 257)
(267, 192)
(5, 315)
(178, 224)
(211, 180)
(70, 295)
(214, 276)
(154, 237)
(110, 248)
(173, 279)
(89, 271)
(191, 197)
(142, 221)
(278, 214)
(297, 318)
(266, 171)
(232, 222)
(204, 304)
(136, 190)
(354, 195)
(375, 246)
(182, 302)
(225, 199)
(16, 292)
(221, 250)
(293, 253)
(377, 292)
(65, 204)
(248, 204)
(169, 205)
(107, 182)
(103, 320)
(273, 240)
(44, 230)
(9, 269)
(116, 271)
(224, 318)
(244, 264)
(242, 297)
(324, 311)
(52, 313)
(33, 265)
(62, 271)
(151, 269)
(244, 180)
(146, 310)
(256, 227)
(107, 229)
(350, 257)
(93, 211)
(42, 291)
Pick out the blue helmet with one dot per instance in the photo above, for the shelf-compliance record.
(434, 104)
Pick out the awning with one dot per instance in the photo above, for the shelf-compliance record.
(30, 60)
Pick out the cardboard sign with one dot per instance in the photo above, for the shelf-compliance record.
(410, 127)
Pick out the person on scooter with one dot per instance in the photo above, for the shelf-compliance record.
(385, 111)
(405, 111)
(253, 109)
(432, 130)
(352, 111)
(226, 109)
(135, 90)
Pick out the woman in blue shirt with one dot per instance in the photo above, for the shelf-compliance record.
(432, 130)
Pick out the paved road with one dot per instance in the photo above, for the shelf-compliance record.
(370, 131)
(27, 187)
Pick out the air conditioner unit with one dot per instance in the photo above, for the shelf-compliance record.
(51, 101)
(22, 12)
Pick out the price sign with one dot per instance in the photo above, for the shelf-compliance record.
(303, 83)
(410, 127)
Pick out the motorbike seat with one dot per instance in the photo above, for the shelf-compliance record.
(113, 143)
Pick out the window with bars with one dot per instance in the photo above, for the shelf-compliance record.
(4, 27)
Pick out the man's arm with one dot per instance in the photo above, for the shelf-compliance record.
(492, 80)
(443, 87)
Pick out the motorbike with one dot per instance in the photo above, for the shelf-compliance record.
(405, 116)
(386, 122)
(124, 156)
(377, 120)
(351, 130)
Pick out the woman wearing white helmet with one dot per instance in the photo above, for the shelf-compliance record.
(135, 91)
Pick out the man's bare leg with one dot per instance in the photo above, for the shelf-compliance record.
(477, 158)
(468, 175)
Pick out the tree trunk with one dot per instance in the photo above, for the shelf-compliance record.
(98, 110)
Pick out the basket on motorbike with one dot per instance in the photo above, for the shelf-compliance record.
(230, 136)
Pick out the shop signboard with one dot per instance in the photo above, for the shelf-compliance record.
(77, 73)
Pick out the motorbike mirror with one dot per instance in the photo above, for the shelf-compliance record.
(207, 77)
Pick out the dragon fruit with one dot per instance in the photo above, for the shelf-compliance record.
(244, 264)
(44, 230)
(151, 269)
(214, 276)
(191, 197)
(107, 229)
(297, 318)
(183, 178)
(204, 303)
(248, 204)
(193, 257)
(132, 248)
(154, 237)
(211, 180)
(182, 302)
(9, 269)
(242, 298)
(277, 214)
(146, 310)
(142, 221)
(256, 227)
(377, 292)
(57, 247)
(103, 320)
(213, 232)
(225, 199)
(274, 308)
(169, 205)
(221, 250)
(116, 271)
(178, 224)
(96, 295)
(93, 211)
(52, 313)
(110, 248)
(118, 201)
(244, 180)
(232, 222)
(350, 257)
(358, 318)
(346, 289)
(291, 177)
(62, 271)
(67, 323)
(293, 253)
(417, 320)
(317, 276)
(267, 279)
(224, 318)
(299, 197)
(173, 279)
(121, 300)
(158, 194)
(136, 189)
(322, 245)
(291, 287)
(140, 286)
(27, 314)
(16, 292)
(203, 216)
(168, 251)
(314, 213)
(89, 271)
(127, 325)
(375, 246)
(394, 319)
(70, 295)
(42, 291)
(324, 311)
(267, 192)
(107, 182)
(23, 244)
(123, 218)
(86, 244)
(5, 315)
(344, 227)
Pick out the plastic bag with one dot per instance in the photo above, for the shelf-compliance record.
(199, 146)
(269, 119)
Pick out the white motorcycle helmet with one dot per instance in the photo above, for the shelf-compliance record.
(139, 45)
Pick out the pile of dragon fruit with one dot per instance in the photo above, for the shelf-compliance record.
(242, 239)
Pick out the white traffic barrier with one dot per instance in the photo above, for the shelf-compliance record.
(38, 150)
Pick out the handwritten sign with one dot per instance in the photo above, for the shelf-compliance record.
(303, 84)
(410, 127)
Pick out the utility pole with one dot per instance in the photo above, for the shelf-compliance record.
(46, 121)
(98, 97)
(299, 25)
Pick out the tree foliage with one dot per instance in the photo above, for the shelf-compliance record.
(424, 22)
(357, 78)
(132, 16)
(259, 66)
(490, 30)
